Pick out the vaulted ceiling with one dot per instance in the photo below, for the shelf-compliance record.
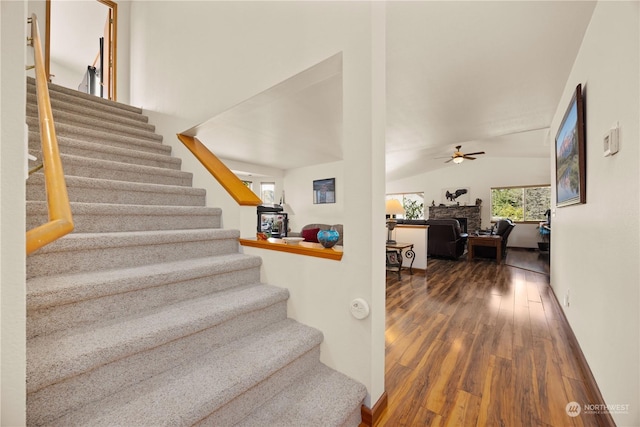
(484, 75)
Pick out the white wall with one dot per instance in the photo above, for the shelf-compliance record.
(298, 184)
(13, 31)
(594, 247)
(209, 56)
(479, 176)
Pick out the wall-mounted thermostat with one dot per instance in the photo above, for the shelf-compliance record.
(611, 141)
(359, 308)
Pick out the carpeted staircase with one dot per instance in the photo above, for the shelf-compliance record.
(148, 314)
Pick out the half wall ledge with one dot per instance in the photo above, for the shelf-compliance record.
(303, 248)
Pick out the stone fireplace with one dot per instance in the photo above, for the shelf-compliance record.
(471, 213)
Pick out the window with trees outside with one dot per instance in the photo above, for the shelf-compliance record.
(520, 204)
(413, 204)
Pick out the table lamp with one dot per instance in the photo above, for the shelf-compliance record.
(392, 208)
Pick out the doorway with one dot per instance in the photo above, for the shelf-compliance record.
(81, 46)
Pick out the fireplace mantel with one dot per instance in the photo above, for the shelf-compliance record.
(472, 213)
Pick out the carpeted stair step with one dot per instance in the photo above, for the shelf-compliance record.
(69, 104)
(97, 150)
(210, 385)
(84, 98)
(71, 300)
(117, 171)
(104, 137)
(116, 126)
(321, 397)
(78, 252)
(107, 218)
(90, 190)
(121, 354)
(78, 113)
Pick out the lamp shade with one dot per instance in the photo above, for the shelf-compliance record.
(393, 207)
(458, 160)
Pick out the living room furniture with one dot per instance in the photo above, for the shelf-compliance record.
(392, 208)
(310, 231)
(484, 241)
(446, 239)
(395, 257)
(503, 228)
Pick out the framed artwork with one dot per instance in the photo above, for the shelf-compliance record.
(324, 191)
(455, 195)
(571, 155)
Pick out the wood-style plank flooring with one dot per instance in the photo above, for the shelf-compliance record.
(478, 344)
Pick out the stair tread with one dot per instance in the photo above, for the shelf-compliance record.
(61, 289)
(80, 241)
(77, 94)
(66, 101)
(81, 181)
(64, 129)
(82, 114)
(125, 167)
(34, 206)
(71, 352)
(186, 394)
(322, 397)
(64, 141)
(62, 117)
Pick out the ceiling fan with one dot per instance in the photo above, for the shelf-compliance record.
(458, 156)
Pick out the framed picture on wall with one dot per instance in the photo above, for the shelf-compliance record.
(570, 154)
(324, 191)
(455, 195)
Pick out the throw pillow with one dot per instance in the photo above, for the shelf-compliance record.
(310, 235)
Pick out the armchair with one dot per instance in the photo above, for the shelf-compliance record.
(445, 238)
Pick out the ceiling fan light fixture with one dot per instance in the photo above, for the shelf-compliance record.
(458, 160)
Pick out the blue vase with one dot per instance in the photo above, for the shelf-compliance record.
(328, 238)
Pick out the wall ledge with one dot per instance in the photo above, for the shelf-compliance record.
(303, 248)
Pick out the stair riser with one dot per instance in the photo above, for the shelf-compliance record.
(104, 152)
(76, 261)
(95, 223)
(83, 114)
(63, 119)
(95, 101)
(118, 172)
(44, 405)
(115, 195)
(99, 136)
(234, 411)
(103, 309)
(64, 101)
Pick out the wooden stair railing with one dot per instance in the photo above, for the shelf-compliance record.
(229, 181)
(60, 217)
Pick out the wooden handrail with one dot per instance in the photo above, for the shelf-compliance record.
(229, 181)
(60, 218)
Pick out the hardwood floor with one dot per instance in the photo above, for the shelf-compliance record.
(478, 344)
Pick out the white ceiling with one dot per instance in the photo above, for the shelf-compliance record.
(484, 75)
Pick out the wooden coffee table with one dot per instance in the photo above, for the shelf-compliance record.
(494, 241)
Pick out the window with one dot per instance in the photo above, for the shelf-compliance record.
(248, 184)
(268, 192)
(520, 204)
(413, 204)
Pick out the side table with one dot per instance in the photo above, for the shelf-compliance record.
(485, 240)
(395, 257)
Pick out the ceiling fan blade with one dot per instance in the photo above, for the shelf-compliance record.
(467, 157)
(473, 154)
(449, 160)
(445, 157)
